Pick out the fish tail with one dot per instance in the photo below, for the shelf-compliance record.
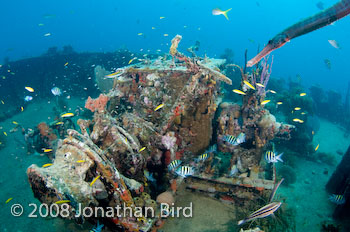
(279, 157)
(225, 13)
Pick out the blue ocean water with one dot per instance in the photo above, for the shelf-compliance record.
(30, 28)
(108, 25)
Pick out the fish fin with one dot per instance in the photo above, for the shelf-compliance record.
(225, 13)
(279, 157)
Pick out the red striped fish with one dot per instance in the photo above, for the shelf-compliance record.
(265, 211)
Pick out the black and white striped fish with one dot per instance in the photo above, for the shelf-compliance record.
(185, 171)
(272, 157)
(202, 157)
(265, 211)
(234, 140)
(337, 199)
(174, 164)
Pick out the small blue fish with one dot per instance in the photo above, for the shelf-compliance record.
(174, 164)
(272, 157)
(234, 140)
(97, 228)
(211, 149)
(28, 98)
(185, 171)
(202, 157)
(149, 176)
(234, 171)
(56, 91)
(337, 199)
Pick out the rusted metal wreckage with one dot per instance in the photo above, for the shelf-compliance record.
(158, 111)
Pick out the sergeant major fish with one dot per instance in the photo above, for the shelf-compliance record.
(272, 157)
(337, 199)
(185, 171)
(202, 157)
(174, 164)
(234, 140)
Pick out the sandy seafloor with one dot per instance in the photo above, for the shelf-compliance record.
(307, 195)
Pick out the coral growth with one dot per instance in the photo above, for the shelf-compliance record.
(98, 104)
(46, 132)
(288, 174)
(174, 44)
(169, 140)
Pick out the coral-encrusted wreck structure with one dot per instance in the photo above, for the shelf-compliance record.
(158, 111)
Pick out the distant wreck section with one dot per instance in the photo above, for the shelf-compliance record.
(152, 114)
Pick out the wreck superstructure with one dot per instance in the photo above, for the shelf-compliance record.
(158, 111)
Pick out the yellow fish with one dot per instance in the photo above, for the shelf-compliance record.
(161, 17)
(14, 122)
(140, 33)
(142, 149)
(272, 91)
(239, 91)
(132, 60)
(302, 94)
(260, 85)
(217, 11)
(2, 102)
(22, 108)
(62, 201)
(313, 132)
(115, 74)
(279, 103)
(94, 180)
(265, 102)
(59, 123)
(166, 35)
(67, 115)
(66, 64)
(249, 85)
(297, 108)
(298, 120)
(46, 165)
(47, 150)
(153, 28)
(318, 145)
(80, 161)
(302, 113)
(159, 107)
(30, 89)
(8, 200)
(5, 133)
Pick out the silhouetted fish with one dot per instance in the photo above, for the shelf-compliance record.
(320, 5)
(328, 63)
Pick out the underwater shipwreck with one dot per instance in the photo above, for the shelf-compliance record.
(158, 125)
